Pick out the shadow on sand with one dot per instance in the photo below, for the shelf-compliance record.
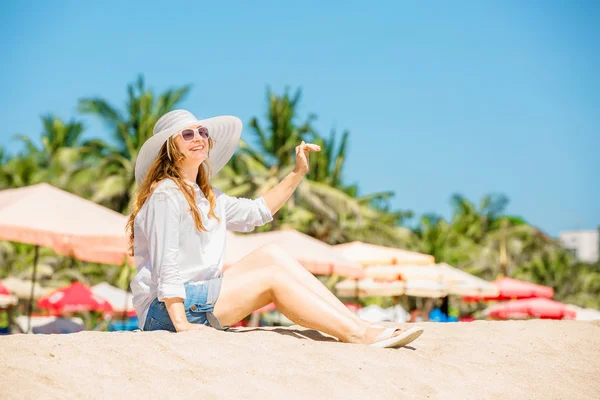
(302, 333)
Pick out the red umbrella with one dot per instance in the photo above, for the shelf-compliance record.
(4, 290)
(74, 298)
(537, 308)
(511, 289)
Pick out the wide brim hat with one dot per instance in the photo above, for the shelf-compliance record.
(225, 130)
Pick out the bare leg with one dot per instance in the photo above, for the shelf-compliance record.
(249, 285)
(272, 254)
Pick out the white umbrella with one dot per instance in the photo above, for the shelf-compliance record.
(22, 289)
(119, 299)
(430, 289)
(368, 288)
(456, 281)
(371, 254)
(8, 300)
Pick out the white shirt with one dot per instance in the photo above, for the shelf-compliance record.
(169, 251)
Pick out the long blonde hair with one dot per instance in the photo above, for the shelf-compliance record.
(166, 167)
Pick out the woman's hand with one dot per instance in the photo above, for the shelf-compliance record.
(178, 318)
(277, 196)
(302, 165)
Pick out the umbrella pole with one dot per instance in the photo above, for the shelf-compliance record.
(126, 290)
(30, 306)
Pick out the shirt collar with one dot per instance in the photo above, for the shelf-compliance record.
(196, 187)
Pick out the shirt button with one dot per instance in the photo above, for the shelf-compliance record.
(193, 308)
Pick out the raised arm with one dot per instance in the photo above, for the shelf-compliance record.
(276, 197)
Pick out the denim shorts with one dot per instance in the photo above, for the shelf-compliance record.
(199, 304)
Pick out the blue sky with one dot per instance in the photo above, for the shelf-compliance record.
(472, 97)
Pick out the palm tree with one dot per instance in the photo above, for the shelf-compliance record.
(322, 206)
(327, 165)
(369, 218)
(56, 136)
(262, 169)
(435, 236)
(4, 158)
(276, 144)
(53, 162)
(474, 222)
(19, 171)
(131, 128)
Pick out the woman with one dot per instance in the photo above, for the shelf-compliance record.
(178, 232)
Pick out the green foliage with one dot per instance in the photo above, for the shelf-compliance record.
(283, 134)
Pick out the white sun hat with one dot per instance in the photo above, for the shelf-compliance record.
(225, 130)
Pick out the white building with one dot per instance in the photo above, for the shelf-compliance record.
(585, 244)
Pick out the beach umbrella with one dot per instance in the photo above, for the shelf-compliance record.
(8, 300)
(455, 281)
(73, 298)
(23, 289)
(370, 254)
(316, 256)
(424, 288)
(4, 290)
(369, 288)
(510, 289)
(120, 300)
(43, 215)
(526, 308)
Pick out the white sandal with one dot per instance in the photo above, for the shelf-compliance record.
(387, 340)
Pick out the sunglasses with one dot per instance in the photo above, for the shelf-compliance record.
(189, 134)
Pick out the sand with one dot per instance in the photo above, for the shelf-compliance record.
(478, 360)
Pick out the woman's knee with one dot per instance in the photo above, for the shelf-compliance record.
(275, 276)
(267, 271)
(274, 252)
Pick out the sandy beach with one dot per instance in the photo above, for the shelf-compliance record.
(479, 360)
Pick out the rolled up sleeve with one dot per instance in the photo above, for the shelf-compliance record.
(243, 215)
(163, 223)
